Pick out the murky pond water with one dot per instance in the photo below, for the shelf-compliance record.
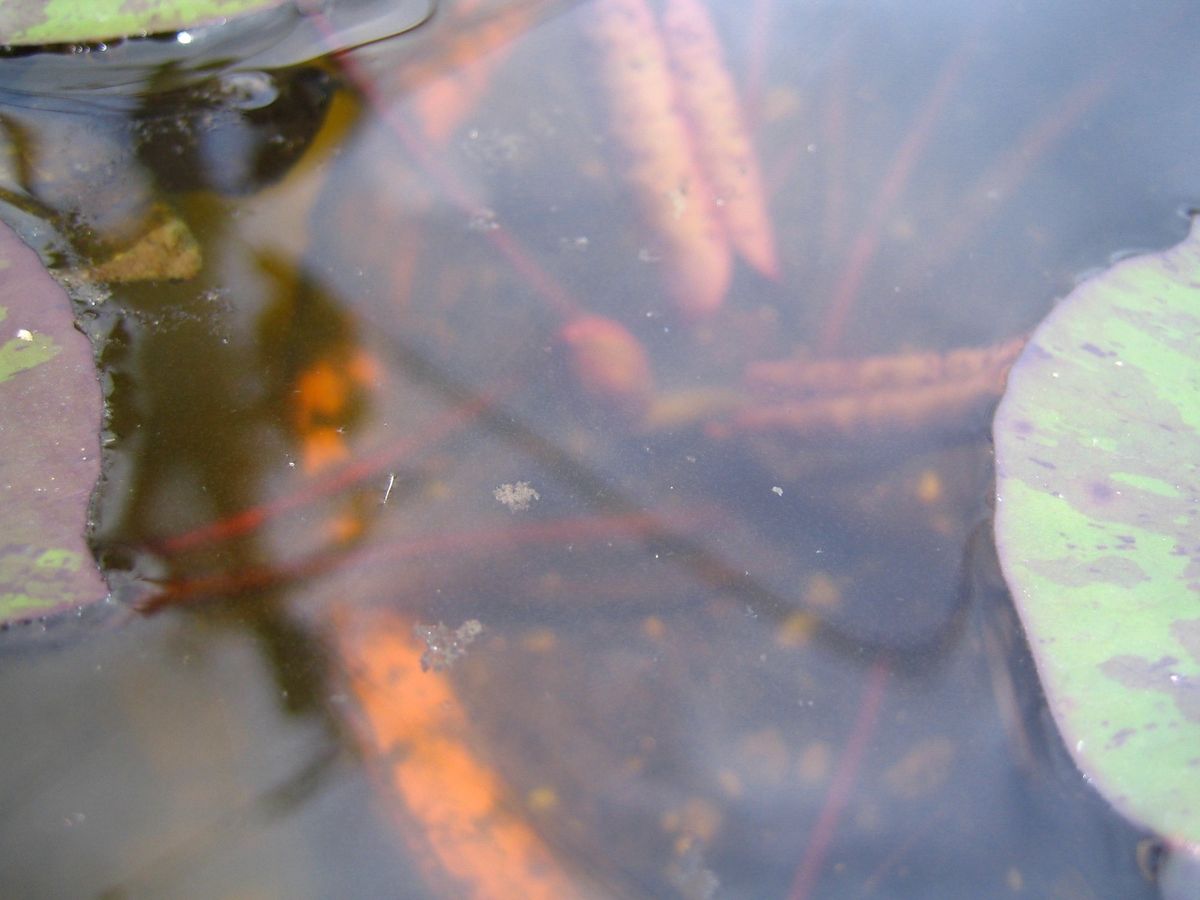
(486, 519)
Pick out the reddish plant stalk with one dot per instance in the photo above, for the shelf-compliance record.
(346, 476)
(555, 295)
(1003, 176)
(866, 243)
(809, 871)
(762, 12)
(833, 148)
(640, 526)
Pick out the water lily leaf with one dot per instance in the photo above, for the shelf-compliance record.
(50, 407)
(29, 22)
(1098, 527)
(214, 35)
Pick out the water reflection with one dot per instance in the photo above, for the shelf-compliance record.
(721, 654)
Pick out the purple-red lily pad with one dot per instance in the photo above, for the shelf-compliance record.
(1098, 528)
(50, 408)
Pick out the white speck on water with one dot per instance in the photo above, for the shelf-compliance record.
(443, 647)
(483, 220)
(517, 496)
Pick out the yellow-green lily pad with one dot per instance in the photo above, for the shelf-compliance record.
(34, 22)
(1098, 528)
(210, 36)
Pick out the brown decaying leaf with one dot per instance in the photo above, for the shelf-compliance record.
(165, 251)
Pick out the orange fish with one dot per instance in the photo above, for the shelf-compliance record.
(415, 734)
(323, 398)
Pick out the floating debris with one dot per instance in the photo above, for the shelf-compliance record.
(483, 220)
(688, 873)
(921, 771)
(516, 497)
(166, 250)
(443, 647)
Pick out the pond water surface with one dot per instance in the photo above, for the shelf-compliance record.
(464, 537)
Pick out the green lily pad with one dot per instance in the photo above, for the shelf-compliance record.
(50, 407)
(32, 22)
(212, 36)
(1098, 528)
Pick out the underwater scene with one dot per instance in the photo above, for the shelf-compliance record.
(545, 448)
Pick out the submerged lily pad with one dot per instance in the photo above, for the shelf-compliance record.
(1098, 528)
(50, 408)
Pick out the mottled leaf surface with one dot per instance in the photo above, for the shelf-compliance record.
(1098, 527)
(30, 22)
(50, 409)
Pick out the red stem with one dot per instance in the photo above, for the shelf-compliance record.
(833, 147)
(862, 252)
(1013, 167)
(458, 543)
(353, 473)
(809, 871)
(555, 295)
(1003, 177)
(759, 28)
